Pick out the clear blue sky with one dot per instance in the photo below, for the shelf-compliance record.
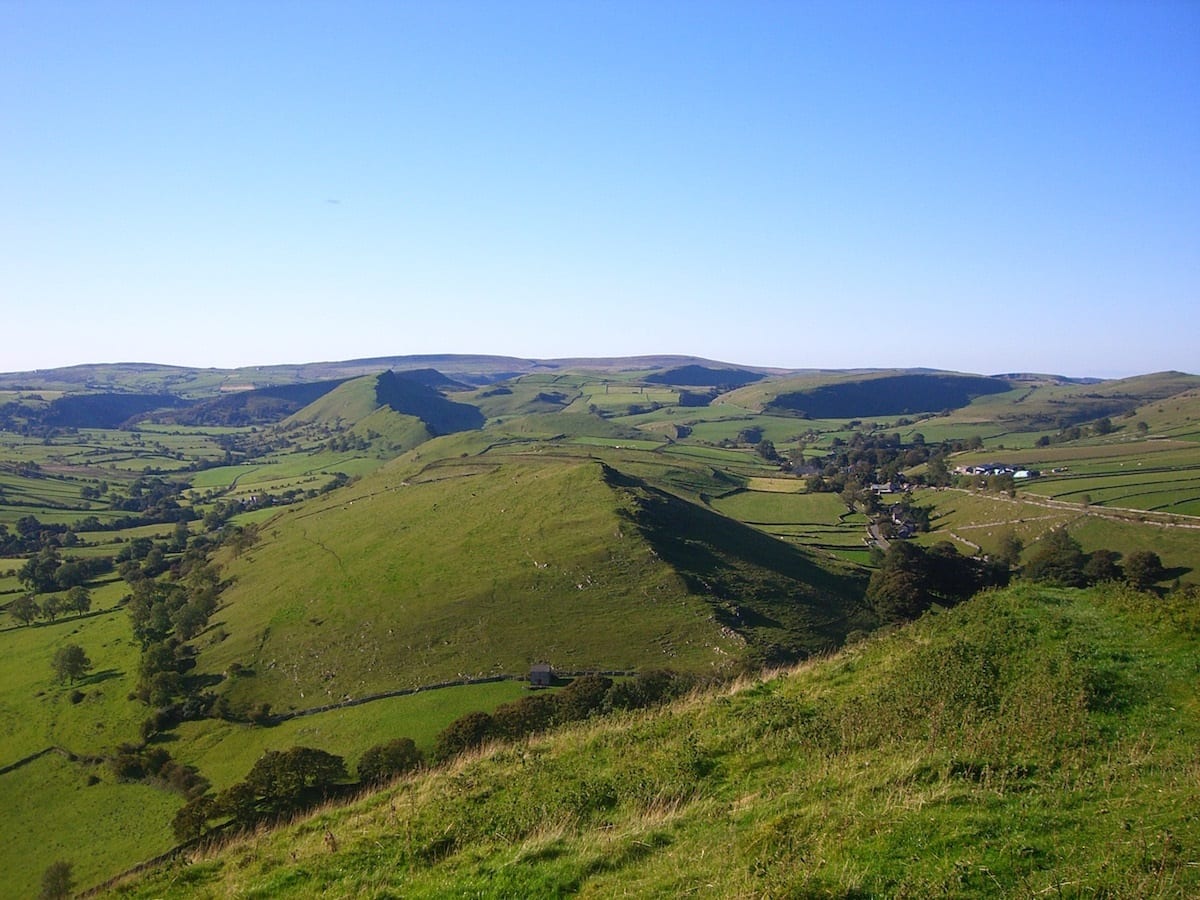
(981, 186)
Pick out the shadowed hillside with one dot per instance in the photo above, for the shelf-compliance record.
(888, 395)
(415, 398)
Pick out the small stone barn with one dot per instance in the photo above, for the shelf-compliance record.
(540, 675)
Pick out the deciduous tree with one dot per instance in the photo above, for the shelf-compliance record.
(70, 662)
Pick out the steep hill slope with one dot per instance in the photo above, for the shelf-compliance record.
(481, 566)
(887, 394)
(359, 398)
(1031, 742)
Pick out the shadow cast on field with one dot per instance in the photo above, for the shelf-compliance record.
(101, 676)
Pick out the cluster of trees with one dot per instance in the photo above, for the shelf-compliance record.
(156, 498)
(31, 536)
(1101, 426)
(25, 609)
(48, 571)
(1059, 559)
(155, 766)
(876, 457)
(166, 614)
(284, 782)
(911, 579)
(585, 696)
(281, 783)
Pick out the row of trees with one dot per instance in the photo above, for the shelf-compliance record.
(25, 609)
(281, 783)
(585, 696)
(1059, 559)
(284, 782)
(49, 571)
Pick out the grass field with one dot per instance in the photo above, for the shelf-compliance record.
(1028, 743)
(52, 813)
(36, 712)
(479, 552)
(818, 521)
(224, 752)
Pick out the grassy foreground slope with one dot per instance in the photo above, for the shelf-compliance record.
(1031, 742)
(483, 565)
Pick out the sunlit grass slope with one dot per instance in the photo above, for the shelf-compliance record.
(480, 566)
(1031, 742)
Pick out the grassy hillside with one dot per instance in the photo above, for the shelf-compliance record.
(1031, 742)
(359, 398)
(483, 565)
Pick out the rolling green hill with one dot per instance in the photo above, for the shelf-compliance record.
(1031, 742)
(480, 566)
(358, 398)
(577, 513)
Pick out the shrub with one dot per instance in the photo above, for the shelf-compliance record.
(385, 761)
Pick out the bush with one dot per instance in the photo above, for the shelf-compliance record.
(464, 733)
(582, 697)
(385, 761)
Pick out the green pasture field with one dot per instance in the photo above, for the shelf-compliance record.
(618, 443)
(45, 491)
(739, 459)
(276, 473)
(156, 532)
(781, 430)
(780, 485)
(775, 508)
(1080, 457)
(983, 518)
(448, 577)
(37, 712)
(891, 769)
(191, 435)
(1149, 491)
(818, 522)
(1177, 546)
(51, 813)
(619, 399)
(224, 752)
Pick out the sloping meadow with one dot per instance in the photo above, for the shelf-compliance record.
(1029, 742)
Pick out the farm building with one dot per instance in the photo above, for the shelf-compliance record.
(541, 675)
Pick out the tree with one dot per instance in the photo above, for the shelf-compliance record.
(57, 881)
(52, 606)
(283, 780)
(385, 761)
(1010, 549)
(1143, 569)
(70, 662)
(897, 590)
(79, 599)
(1102, 566)
(766, 449)
(38, 573)
(464, 733)
(193, 816)
(1056, 559)
(582, 697)
(25, 609)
